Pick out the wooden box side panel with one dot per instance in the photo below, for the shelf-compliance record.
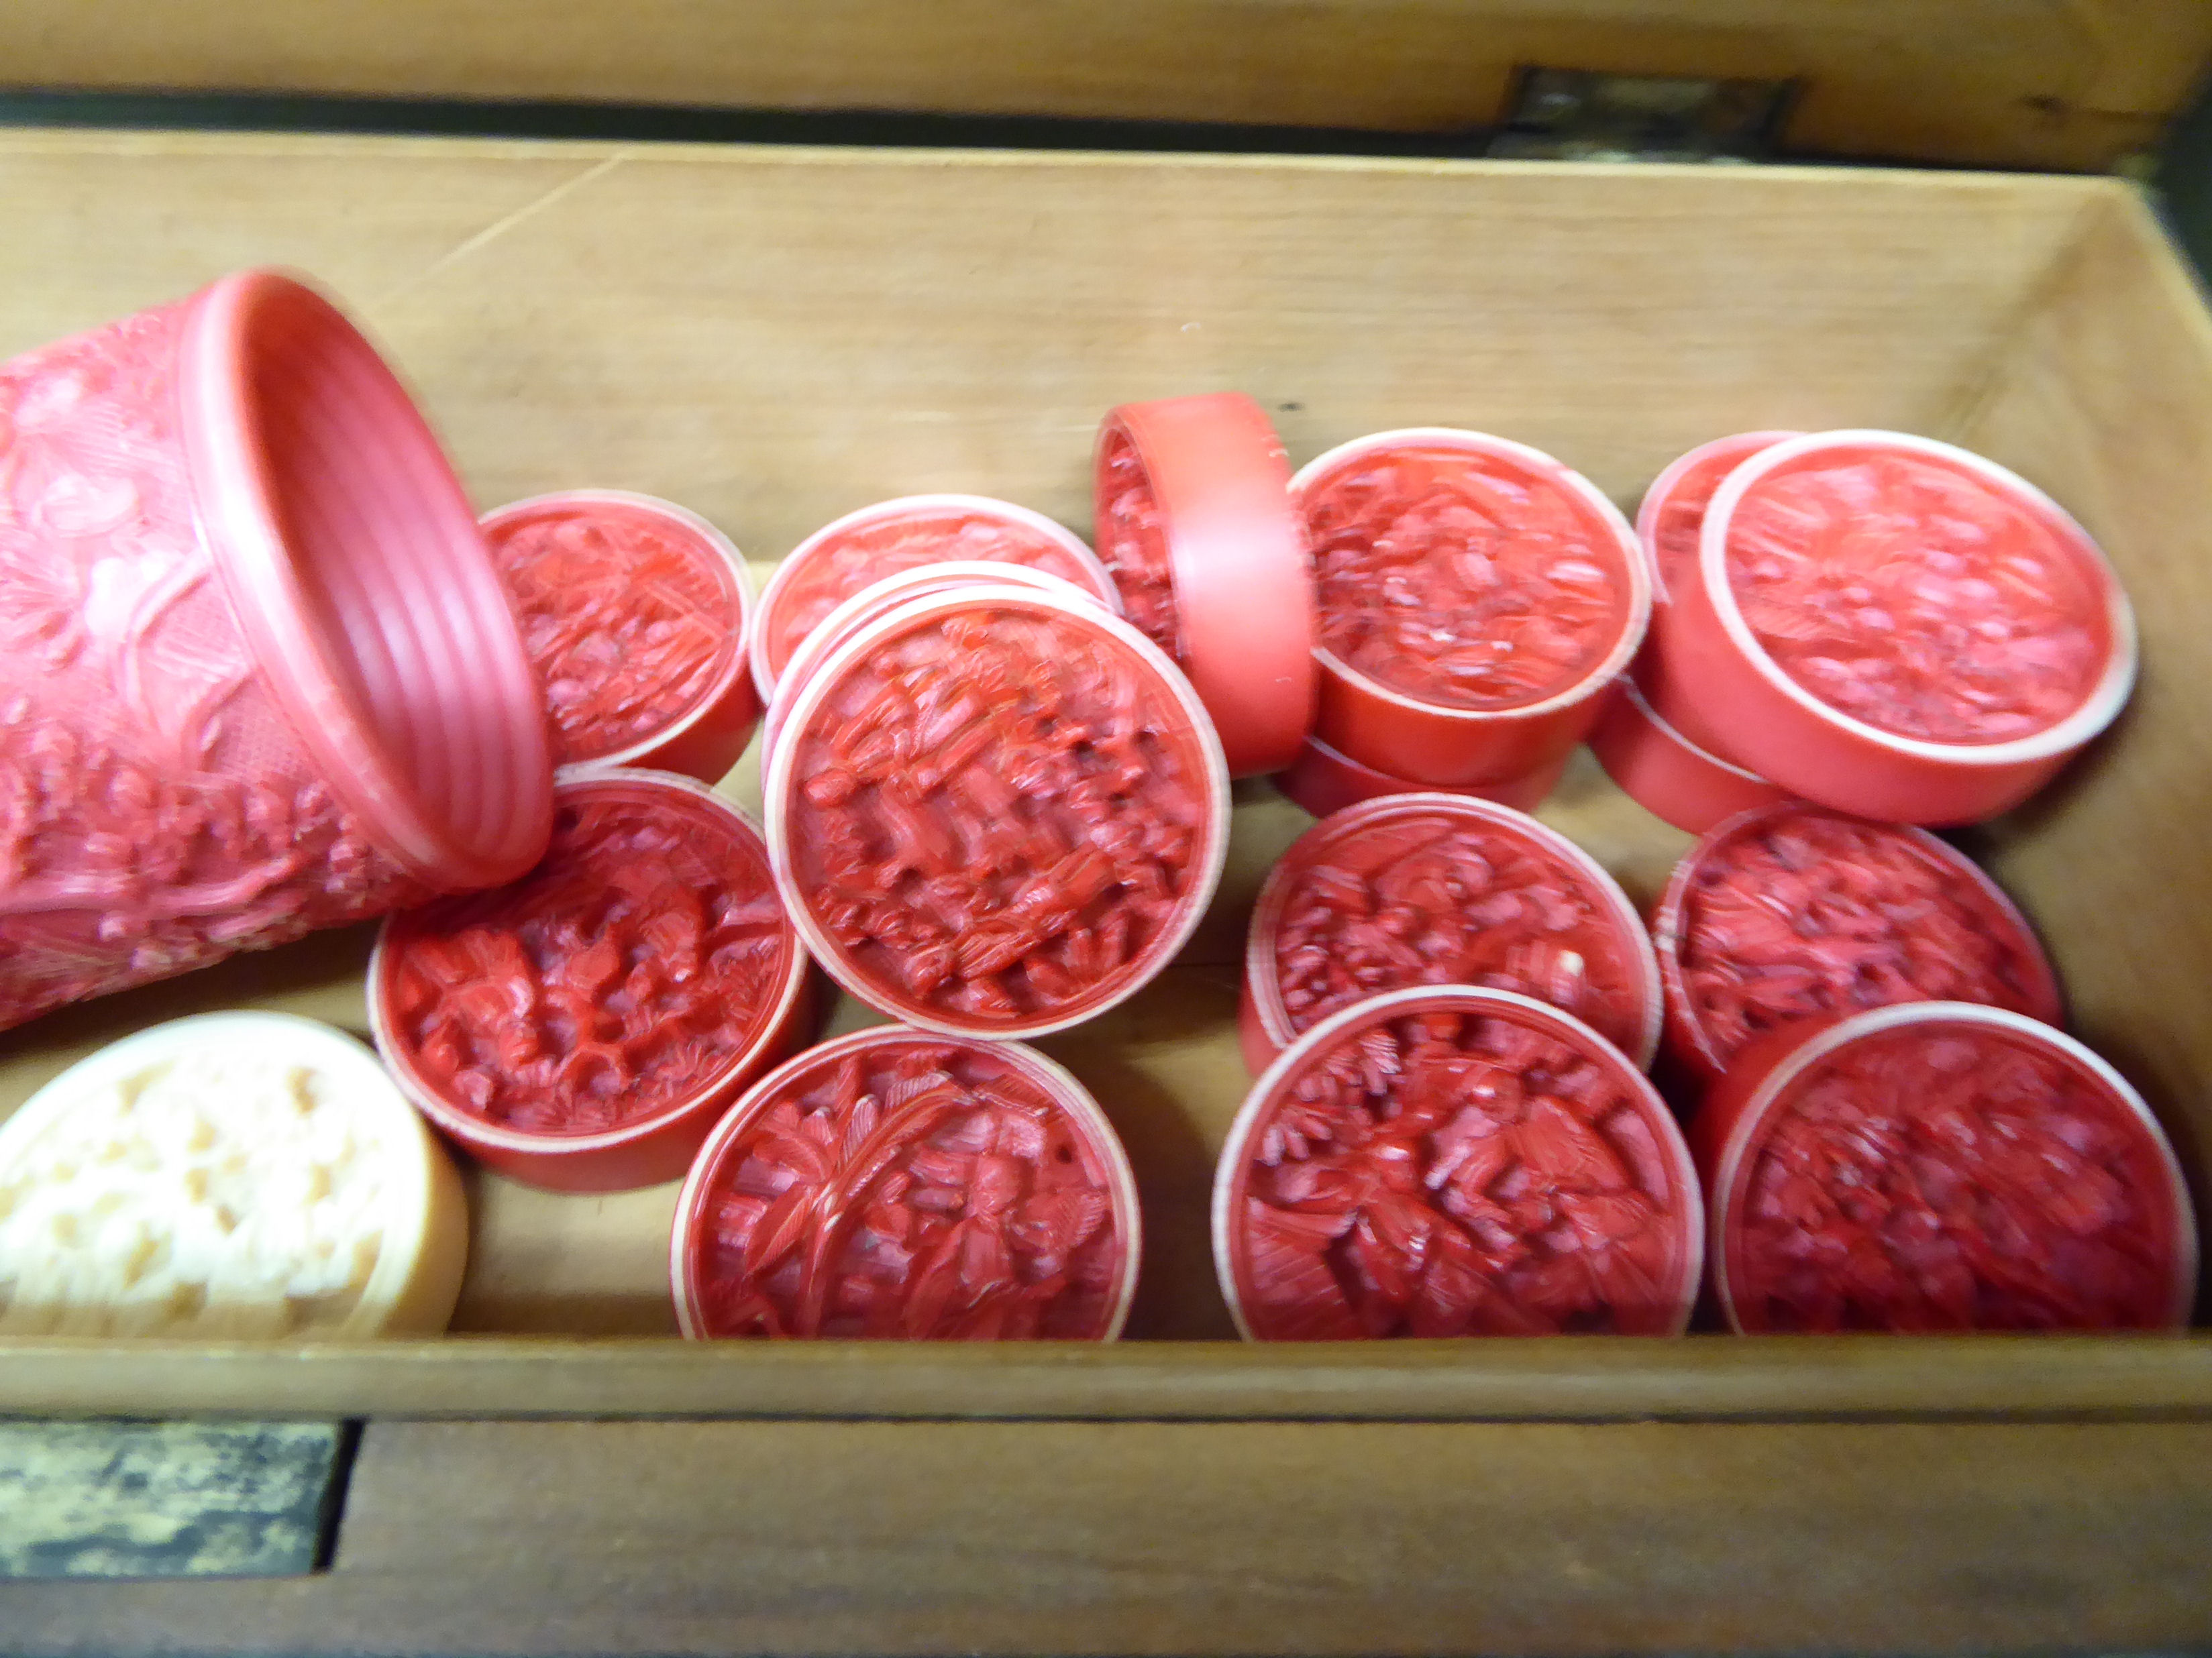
(2014, 83)
(2105, 398)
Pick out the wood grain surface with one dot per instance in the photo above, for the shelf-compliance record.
(1152, 1537)
(2008, 82)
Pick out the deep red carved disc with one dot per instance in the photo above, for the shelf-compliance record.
(633, 613)
(898, 1184)
(1455, 1161)
(1429, 888)
(1941, 1166)
(997, 813)
(1793, 912)
(592, 1019)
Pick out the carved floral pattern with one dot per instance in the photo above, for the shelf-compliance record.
(1942, 1178)
(1133, 546)
(912, 1188)
(1462, 579)
(1916, 598)
(998, 815)
(625, 616)
(1446, 1174)
(636, 965)
(156, 813)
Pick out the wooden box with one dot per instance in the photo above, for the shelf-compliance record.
(773, 337)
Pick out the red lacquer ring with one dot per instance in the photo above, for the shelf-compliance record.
(634, 612)
(1939, 1166)
(1444, 1160)
(1195, 521)
(1672, 514)
(863, 547)
(898, 1184)
(996, 812)
(1895, 628)
(582, 1028)
(1665, 773)
(1437, 889)
(1792, 912)
(1548, 590)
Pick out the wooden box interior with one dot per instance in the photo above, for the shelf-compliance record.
(774, 337)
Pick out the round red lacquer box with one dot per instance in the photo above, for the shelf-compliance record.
(1895, 628)
(899, 1184)
(1194, 520)
(1664, 772)
(1437, 889)
(996, 812)
(1939, 1166)
(1794, 912)
(1672, 512)
(862, 547)
(258, 676)
(634, 611)
(1323, 781)
(1477, 597)
(1446, 1162)
(583, 1028)
(881, 598)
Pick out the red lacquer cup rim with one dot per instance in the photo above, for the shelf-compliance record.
(1668, 928)
(2106, 698)
(1265, 987)
(1054, 1079)
(1631, 692)
(1732, 1164)
(726, 560)
(1237, 560)
(1660, 496)
(1523, 794)
(474, 1131)
(1688, 1205)
(449, 768)
(766, 672)
(872, 600)
(1633, 564)
(779, 786)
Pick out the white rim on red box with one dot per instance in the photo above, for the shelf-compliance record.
(1568, 1028)
(779, 784)
(1054, 1079)
(1266, 913)
(473, 1130)
(732, 560)
(765, 677)
(1655, 498)
(1634, 565)
(2097, 711)
(1750, 1125)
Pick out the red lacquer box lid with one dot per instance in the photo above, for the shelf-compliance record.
(583, 1028)
(1941, 1166)
(1792, 912)
(1194, 520)
(634, 613)
(863, 547)
(1436, 889)
(899, 1184)
(995, 812)
(1448, 1161)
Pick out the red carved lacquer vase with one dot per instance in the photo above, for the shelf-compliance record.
(583, 1028)
(900, 1184)
(1448, 1162)
(1939, 1166)
(1477, 597)
(1438, 889)
(257, 676)
(634, 611)
(1794, 912)
(860, 548)
(997, 813)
